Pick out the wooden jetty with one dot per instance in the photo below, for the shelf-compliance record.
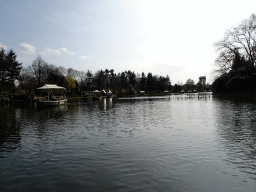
(198, 95)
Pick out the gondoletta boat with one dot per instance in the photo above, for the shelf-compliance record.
(109, 94)
(97, 95)
(51, 99)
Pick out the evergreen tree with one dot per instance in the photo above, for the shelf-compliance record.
(143, 81)
(89, 76)
(123, 80)
(99, 79)
(14, 67)
(3, 69)
(237, 63)
(150, 82)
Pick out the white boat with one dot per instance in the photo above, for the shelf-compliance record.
(142, 93)
(109, 94)
(51, 100)
(96, 95)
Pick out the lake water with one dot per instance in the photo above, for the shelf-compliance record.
(138, 144)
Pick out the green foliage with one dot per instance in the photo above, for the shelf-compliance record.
(71, 83)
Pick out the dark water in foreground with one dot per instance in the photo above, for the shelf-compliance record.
(152, 144)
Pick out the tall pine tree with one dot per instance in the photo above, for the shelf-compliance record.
(3, 70)
(3, 67)
(13, 67)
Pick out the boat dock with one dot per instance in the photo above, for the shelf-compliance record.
(199, 95)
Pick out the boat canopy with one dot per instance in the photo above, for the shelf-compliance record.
(51, 86)
(96, 91)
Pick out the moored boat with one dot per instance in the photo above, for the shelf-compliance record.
(142, 93)
(109, 94)
(52, 100)
(97, 95)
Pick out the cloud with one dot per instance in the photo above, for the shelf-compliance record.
(56, 52)
(85, 58)
(27, 49)
(65, 50)
(5, 47)
(48, 51)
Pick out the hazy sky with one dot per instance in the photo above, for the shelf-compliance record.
(165, 37)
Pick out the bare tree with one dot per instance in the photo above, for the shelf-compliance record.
(89, 76)
(240, 39)
(62, 70)
(189, 85)
(27, 82)
(72, 73)
(38, 69)
(82, 79)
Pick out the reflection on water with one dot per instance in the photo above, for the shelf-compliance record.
(236, 127)
(10, 127)
(146, 144)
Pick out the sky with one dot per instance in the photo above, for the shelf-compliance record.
(164, 37)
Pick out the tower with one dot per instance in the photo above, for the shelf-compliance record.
(202, 79)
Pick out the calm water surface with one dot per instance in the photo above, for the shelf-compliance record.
(145, 144)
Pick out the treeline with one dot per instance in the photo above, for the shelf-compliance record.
(236, 61)
(16, 79)
(190, 86)
(126, 82)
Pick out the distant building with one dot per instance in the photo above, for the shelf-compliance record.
(202, 79)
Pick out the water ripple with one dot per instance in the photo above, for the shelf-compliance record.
(148, 144)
